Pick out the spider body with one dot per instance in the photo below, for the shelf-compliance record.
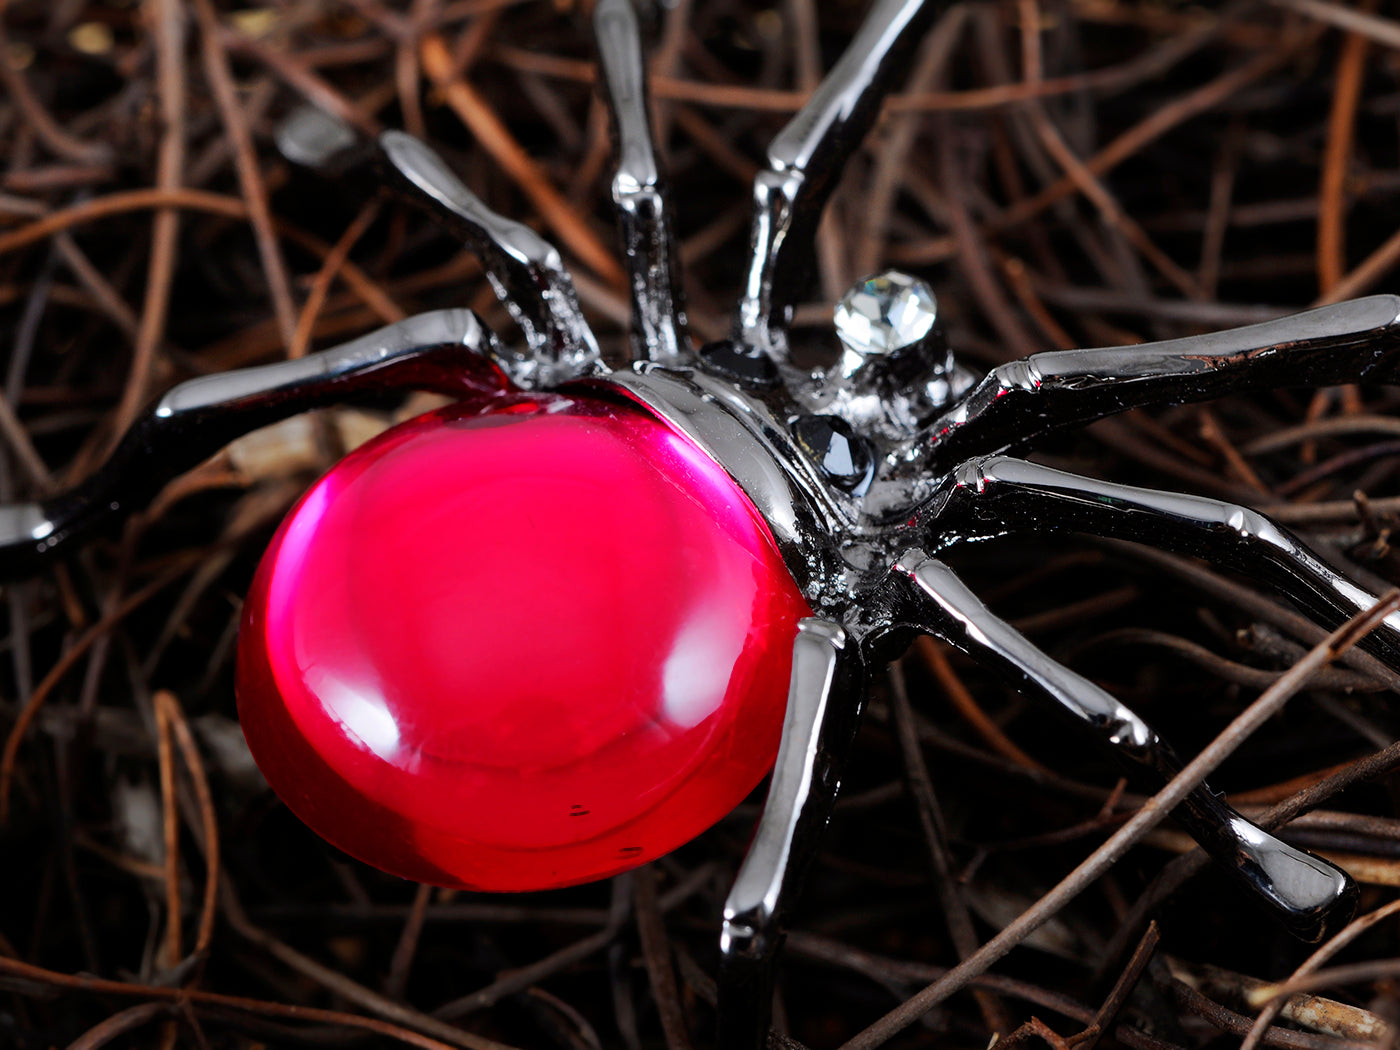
(632, 695)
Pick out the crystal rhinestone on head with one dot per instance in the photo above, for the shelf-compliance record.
(885, 313)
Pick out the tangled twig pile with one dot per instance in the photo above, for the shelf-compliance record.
(1070, 173)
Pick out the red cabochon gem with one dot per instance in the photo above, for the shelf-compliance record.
(518, 647)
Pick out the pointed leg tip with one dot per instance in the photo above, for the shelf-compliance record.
(1315, 897)
(1337, 913)
(1334, 907)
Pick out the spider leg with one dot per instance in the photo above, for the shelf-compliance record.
(805, 161)
(1309, 894)
(818, 729)
(638, 190)
(524, 269)
(1355, 341)
(992, 496)
(448, 351)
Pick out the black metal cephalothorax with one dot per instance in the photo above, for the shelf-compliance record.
(865, 471)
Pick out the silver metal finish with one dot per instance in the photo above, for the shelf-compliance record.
(447, 351)
(819, 721)
(1302, 889)
(999, 494)
(1293, 880)
(23, 525)
(644, 218)
(752, 904)
(805, 161)
(406, 340)
(894, 372)
(1018, 402)
(752, 443)
(525, 270)
(971, 627)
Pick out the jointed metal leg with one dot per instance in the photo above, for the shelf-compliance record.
(447, 351)
(1310, 895)
(525, 270)
(817, 733)
(1356, 341)
(638, 190)
(805, 160)
(996, 495)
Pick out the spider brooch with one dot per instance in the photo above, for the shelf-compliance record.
(562, 626)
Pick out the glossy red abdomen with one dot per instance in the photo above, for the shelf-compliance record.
(520, 647)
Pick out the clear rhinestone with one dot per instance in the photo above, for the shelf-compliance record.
(885, 313)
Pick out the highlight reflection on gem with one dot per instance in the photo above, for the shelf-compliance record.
(363, 715)
(690, 689)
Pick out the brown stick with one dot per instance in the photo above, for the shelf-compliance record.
(220, 77)
(478, 116)
(167, 23)
(256, 1007)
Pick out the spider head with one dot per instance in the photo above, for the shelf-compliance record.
(889, 329)
(895, 369)
(863, 410)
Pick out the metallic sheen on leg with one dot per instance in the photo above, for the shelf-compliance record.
(999, 494)
(1356, 341)
(805, 161)
(639, 192)
(448, 351)
(525, 270)
(1309, 895)
(817, 731)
